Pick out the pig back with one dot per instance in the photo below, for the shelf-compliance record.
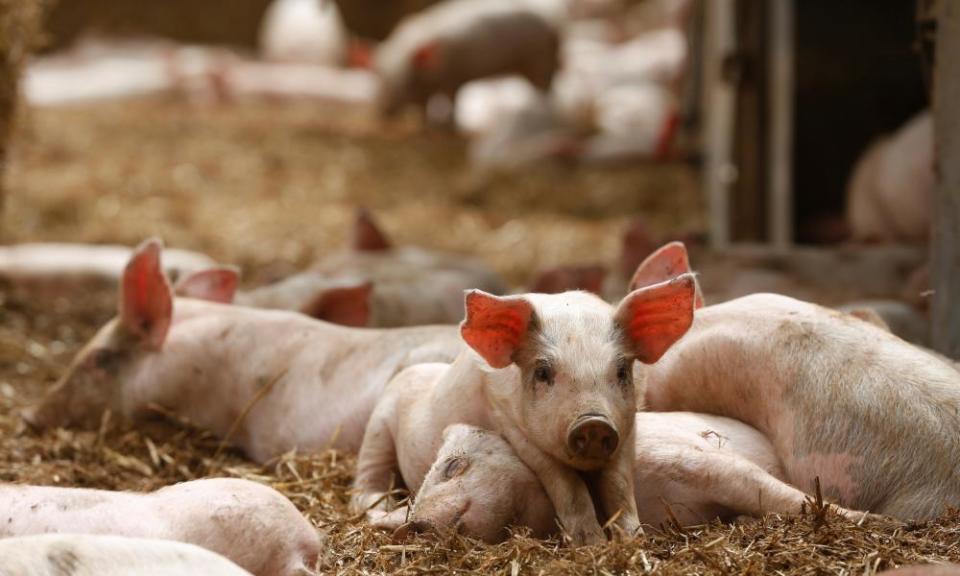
(874, 417)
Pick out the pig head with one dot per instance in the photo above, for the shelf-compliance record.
(563, 364)
(464, 490)
(93, 381)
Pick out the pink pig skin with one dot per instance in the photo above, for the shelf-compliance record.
(251, 524)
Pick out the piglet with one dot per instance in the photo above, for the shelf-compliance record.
(269, 381)
(889, 195)
(411, 286)
(253, 525)
(81, 555)
(555, 375)
(839, 398)
(303, 31)
(447, 45)
(689, 468)
(57, 269)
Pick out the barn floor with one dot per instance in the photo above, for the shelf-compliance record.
(269, 187)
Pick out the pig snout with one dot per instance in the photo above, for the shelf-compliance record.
(593, 437)
(402, 533)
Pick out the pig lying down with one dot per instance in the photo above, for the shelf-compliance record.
(555, 375)
(404, 286)
(79, 555)
(701, 467)
(875, 418)
(272, 381)
(251, 524)
(60, 268)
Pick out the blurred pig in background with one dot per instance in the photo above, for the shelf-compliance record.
(442, 48)
(888, 199)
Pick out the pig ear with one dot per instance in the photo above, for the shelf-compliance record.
(668, 261)
(565, 278)
(344, 305)
(367, 235)
(427, 56)
(654, 317)
(146, 301)
(495, 327)
(215, 285)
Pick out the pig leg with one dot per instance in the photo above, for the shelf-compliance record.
(745, 488)
(566, 490)
(616, 490)
(376, 468)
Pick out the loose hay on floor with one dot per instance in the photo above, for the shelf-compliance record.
(37, 343)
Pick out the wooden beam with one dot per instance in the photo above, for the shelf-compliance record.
(781, 92)
(945, 241)
(719, 104)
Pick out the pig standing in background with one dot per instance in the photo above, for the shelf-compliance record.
(79, 555)
(875, 418)
(555, 375)
(447, 45)
(271, 380)
(889, 195)
(689, 467)
(253, 525)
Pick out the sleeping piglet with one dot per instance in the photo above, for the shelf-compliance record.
(253, 525)
(84, 555)
(691, 468)
(270, 381)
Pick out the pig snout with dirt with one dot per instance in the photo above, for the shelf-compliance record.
(442, 48)
(84, 555)
(690, 468)
(253, 525)
(889, 195)
(269, 381)
(555, 375)
(875, 418)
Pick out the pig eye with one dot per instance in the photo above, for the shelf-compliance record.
(454, 468)
(624, 372)
(543, 373)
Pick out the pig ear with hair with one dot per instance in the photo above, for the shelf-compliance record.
(146, 301)
(668, 261)
(367, 235)
(214, 285)
(654, 317)
(344, 305)
(495, 326)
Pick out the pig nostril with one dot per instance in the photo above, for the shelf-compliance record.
(593, 437)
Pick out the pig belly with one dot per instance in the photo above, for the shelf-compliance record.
(659, 503)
